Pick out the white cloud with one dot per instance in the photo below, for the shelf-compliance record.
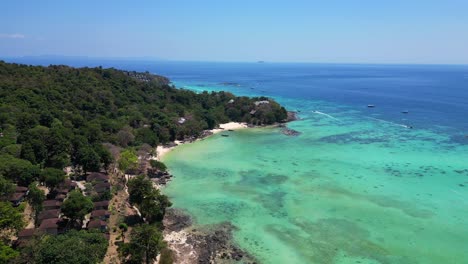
(13, 36)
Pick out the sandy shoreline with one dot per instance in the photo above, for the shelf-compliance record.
(163, 150)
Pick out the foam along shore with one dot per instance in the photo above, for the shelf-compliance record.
(162, 150)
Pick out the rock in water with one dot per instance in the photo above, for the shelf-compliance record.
(292, 116)
(290, 132)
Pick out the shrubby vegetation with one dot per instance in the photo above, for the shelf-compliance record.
(35, 198)
(158, 165)
(76, 206)
(7, 253)
(128, 160)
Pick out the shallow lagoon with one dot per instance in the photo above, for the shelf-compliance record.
(347, 190)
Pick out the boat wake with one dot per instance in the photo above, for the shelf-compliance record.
(327, 115)
(389, 122)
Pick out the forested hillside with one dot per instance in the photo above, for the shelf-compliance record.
(53, 112)
(58, 116)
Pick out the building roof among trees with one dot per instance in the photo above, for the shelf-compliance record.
(101, 204)
(48, 214)
(96, 224)
(49, 223)
(17, 196)
(98, 213)
(28, 232)
(21, 189)
(97, 176)
(48, 203)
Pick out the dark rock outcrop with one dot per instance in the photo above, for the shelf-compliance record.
(212, 244)
(292, 116)
(290, 132)
(215, 245)
(176, 220)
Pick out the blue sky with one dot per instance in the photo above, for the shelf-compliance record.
(367, 31)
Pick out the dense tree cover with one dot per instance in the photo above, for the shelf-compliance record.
(153, 207)
(18, 170)
(7, 253)
(6, 188)
(76, 206)
(52, 177)
(35, 198)
(146, 241)
(138, 188)
(73, 247)
(151, 203)
(61, 114)
(128, 160)
(11, 220)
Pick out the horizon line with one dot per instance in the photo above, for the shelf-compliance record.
(157, 59)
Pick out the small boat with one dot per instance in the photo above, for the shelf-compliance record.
(371, 106)
(405, 112)
(224, 135)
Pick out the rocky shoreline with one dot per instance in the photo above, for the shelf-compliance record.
(212, 244)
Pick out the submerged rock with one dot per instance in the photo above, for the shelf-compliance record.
(176, 220)
(290, 132)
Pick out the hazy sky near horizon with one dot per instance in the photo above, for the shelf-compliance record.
(366, 31)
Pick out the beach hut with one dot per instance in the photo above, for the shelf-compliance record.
(51, 204)
(48, 214)
(100, 214)
(50, 226)
(97, 177)
(102, 205)
(97, 224)
(17, 198)
(60, 197)
(24, 235)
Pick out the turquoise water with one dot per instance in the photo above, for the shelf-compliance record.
(350, 189)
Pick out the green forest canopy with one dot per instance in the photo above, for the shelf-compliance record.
(58, 115)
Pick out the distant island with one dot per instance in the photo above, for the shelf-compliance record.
(73, 140)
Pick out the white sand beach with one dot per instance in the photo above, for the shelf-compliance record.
(162, 150)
